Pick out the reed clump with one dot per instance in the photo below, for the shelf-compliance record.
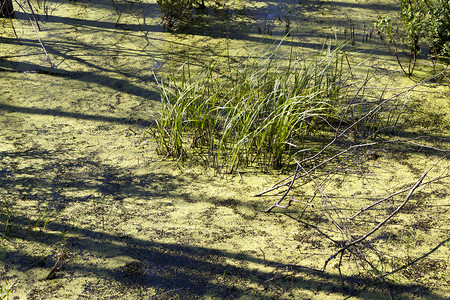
(253, 112)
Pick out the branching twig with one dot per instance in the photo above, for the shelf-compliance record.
(417, 259)
(394, 194)
(37, 35)
(357, 241)
(324, 196)
(285, 194)
(285, 182)
(313, 168)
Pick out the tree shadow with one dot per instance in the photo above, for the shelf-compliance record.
(181, 271)
(131, 265)
(47, 174)
(223, 22)
(84, 116)
(96, 77)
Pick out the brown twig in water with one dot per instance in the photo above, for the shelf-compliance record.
(285, 194)
(357, 241)
(37, 35)
(58, 265)
(394, 194)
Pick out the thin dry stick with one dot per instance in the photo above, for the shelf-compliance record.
(37, 35)
(14, 29)
(406, 90)
(316, 228)
(279, 183)
(34, 15)
(416, 185)
(308, 203)
(394, 194)
(377, 272)
(315, 167)
(324, 196)
(352, 100)
(285, 194)
(58, 266)
(429, 147)
(417, 259)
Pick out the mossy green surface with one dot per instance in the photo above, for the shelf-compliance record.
(76, 189)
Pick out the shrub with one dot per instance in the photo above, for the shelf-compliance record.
(440, 27)
(175, 12)
(424, 22)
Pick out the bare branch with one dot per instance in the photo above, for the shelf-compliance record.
(394, 194)
(412, 189)
(418, 259)
(285, 194)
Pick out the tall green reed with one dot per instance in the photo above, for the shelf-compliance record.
(256, 111)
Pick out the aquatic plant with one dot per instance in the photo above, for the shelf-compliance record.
(175, 13)
(5, 289)
(254, 112)
(6, 215)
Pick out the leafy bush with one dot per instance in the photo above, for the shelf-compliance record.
(440, 27)
(175, 12)
(424, 22)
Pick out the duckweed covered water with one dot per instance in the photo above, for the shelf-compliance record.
(85, 213)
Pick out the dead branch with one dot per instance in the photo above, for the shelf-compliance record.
(285, 194)
(37, 35)
(313, 168)
(34, 15)
(324, 196)
(286, 182)
(417, 259)
(394, 194)
(357, 241)
(57, 266)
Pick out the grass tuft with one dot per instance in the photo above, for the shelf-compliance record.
(256, 111)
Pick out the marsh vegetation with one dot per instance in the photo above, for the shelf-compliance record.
(292, 150)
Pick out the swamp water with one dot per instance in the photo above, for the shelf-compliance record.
(85, 213)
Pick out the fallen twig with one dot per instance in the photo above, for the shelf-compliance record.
(37, 35)
(357, 241)
(57, 267)
(285, 194)
(417, 259)
(394, 194)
